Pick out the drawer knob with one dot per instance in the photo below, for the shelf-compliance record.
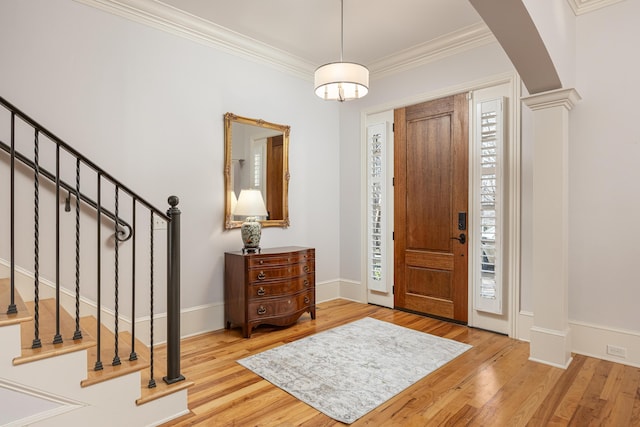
(306, 268)
(306, 282)
(262, 310)
(306, 300)
(261, 275)
(261, 262)
(261, 291)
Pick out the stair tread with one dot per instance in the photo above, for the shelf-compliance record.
(159, 372)
(160, 390)
(108, 353)
(46, 332)
(23, 314)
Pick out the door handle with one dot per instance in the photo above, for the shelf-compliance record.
(462, 238)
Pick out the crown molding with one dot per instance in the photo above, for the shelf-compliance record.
(585, 6)
(172, 20)
(450, 44)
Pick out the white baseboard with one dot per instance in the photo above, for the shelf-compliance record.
(592, 340)
(353, 291)
(327, 291)
(193, 321)
(525, 323)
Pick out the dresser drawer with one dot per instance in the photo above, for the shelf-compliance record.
(278, 288)
(276, 273)
(274, 287)
(281, 306)
(280, 259)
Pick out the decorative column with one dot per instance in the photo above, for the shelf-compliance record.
(550, 333)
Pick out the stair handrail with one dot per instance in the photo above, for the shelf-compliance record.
(80, 156)
(171, 217)
(86, 199)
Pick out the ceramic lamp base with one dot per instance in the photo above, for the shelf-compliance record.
(251, 231)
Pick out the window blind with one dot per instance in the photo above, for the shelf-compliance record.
(489, 146)
(377, 206)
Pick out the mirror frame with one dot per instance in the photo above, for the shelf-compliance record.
(229, 119)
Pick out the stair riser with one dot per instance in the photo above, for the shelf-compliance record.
(10, 342)
(60, 375)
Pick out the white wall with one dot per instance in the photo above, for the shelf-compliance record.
(148, 107)
(604, 156)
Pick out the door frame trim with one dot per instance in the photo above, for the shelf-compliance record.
(513, 212)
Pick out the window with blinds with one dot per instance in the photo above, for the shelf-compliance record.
(488, 144)
(377, 205)
(257, 170)
(258, 167)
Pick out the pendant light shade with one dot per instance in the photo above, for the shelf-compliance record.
(341, 81)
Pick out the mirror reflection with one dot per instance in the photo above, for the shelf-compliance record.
(256, 157)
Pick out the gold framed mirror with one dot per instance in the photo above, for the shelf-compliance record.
(256, 156)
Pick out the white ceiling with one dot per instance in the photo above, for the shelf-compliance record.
(297, 36)
(310, 29)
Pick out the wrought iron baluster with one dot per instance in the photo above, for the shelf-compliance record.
(133, 355)
(152, 381)
(98, 365)
(116, 357)
(41, 173)
(12, 309)
(77, 335)
(36, 242)
(57, 339)
(70, 188)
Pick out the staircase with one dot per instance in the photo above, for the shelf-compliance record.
(69, 356)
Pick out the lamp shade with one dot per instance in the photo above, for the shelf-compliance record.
(341, 81)
(250, 203)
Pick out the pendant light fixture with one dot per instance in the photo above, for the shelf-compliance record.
(341, 81)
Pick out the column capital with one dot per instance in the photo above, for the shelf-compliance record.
(554, 98)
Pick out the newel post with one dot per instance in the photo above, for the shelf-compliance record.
(173, 293)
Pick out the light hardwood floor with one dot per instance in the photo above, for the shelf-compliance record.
(493, 384)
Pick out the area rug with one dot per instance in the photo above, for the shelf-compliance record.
(347, 371)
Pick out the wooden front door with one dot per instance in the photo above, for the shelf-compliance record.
(431, 199)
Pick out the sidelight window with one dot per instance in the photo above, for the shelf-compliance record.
(488, 167)
(377, 207)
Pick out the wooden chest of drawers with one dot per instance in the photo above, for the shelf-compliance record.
(275, 287)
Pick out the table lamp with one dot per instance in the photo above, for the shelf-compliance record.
(251, 205)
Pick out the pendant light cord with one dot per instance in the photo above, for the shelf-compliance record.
(341, 29)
